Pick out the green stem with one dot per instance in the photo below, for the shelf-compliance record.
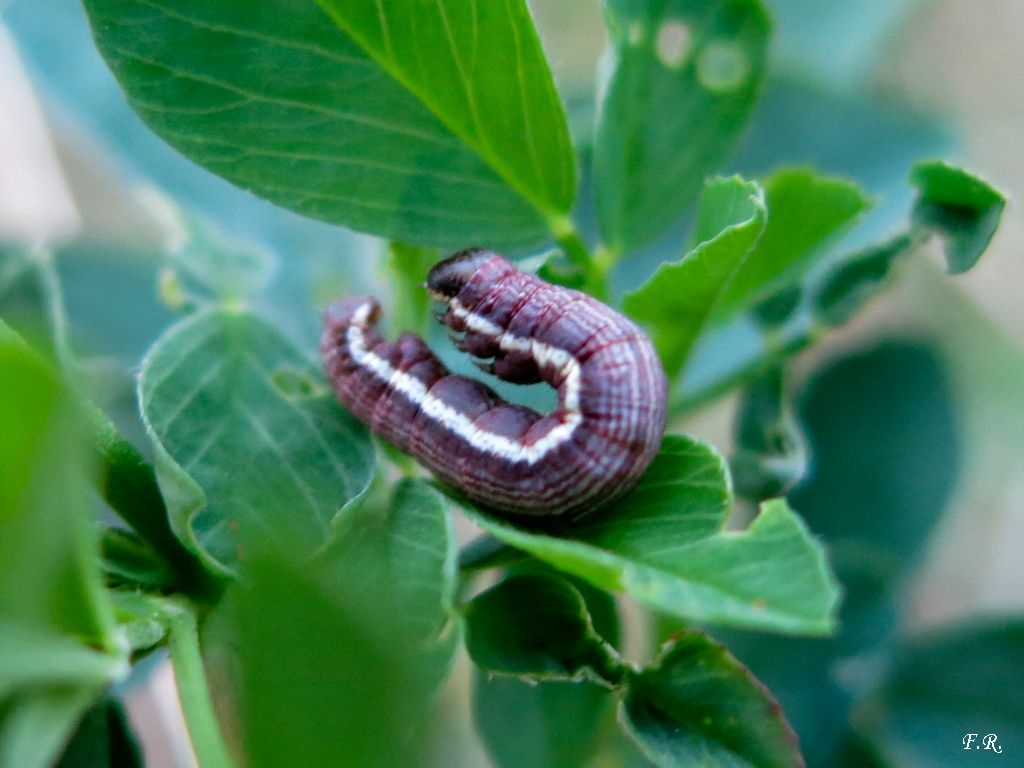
(193, 691)
(568, 238)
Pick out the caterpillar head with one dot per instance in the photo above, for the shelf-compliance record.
(447, 277)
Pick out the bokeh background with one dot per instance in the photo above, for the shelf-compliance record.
(860, 89)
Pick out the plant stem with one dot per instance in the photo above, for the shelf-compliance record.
(193, 691)
(568, 238)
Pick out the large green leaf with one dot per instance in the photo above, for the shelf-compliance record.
(250, 444)
(805, 214)
(537, 626)
(698, 706)
(943, 686)
(664, 544)
(961, 208)
(680, 297)
(430, 123)
(684, 79)
(481, 69)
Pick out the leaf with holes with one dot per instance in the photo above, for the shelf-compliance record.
(684, 80)
(334, 111)
(250, 444)
(664, 544)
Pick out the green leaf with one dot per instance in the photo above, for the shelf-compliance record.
(959, 207)
(806, 213)
(664, 544)
(680, 297)
(773, 311)
(404, 555)
(555, 724)
(552, 723)
(771, 454)
(250, 444)
(857, 279)
(944, 685)
(538, 627)
(485, 77)
(295, 639)
(104, 739)
(684, 77)
(696, 705)
(428, 123)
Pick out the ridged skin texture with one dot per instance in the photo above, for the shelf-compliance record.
(594, 447)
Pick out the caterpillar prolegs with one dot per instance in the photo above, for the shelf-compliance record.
(593, 447)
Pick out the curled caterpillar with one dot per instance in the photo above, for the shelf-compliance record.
(599, 440)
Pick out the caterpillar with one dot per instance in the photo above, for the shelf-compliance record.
(593, 447)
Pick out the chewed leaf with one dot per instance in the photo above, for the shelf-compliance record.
(241, 456)
(664, 544)
(963, 209)
(331, 110)
(685, 78)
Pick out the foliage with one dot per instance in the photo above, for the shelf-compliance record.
(312, 601)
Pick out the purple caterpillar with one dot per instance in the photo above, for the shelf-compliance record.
(597, 443)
